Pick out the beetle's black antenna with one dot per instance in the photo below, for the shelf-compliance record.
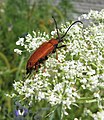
(70, 27)
(56, 27)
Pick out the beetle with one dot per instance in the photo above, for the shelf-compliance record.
(41, 53)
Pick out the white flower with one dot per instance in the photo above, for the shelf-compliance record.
(18, 51)
(75, 118)
(28, 38)
(41, 96)
(99, 115)
(53, 99)
(53, 33)
(83, 80)
(96, 95)
(20, 42)
(58, 87)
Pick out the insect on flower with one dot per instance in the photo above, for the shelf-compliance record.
(41, 54)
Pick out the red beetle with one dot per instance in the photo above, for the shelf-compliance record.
(41, 54)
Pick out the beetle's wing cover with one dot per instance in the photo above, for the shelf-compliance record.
(45, 49)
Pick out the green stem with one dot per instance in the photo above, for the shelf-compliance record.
(61, 114)
(89, 100)
(5, 60)
(9, 71)
(19, 67)
(13, 70)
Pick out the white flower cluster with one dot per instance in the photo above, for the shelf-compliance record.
(81, 66)
(95, 116)
(94, 15)
(31, 42)
(18, 51)
(99, 115)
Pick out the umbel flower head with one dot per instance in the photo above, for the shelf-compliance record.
(80, 72)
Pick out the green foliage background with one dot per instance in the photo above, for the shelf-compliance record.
(18, 17)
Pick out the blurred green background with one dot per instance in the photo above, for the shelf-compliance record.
(18, 17)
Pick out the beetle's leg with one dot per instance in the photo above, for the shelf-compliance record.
(44, 70)
(45, 58)
(56, 55)
(42, 60)
(61, 46)
(36, 66)
(55, 51)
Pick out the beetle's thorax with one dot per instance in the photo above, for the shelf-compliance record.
(54, 41)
